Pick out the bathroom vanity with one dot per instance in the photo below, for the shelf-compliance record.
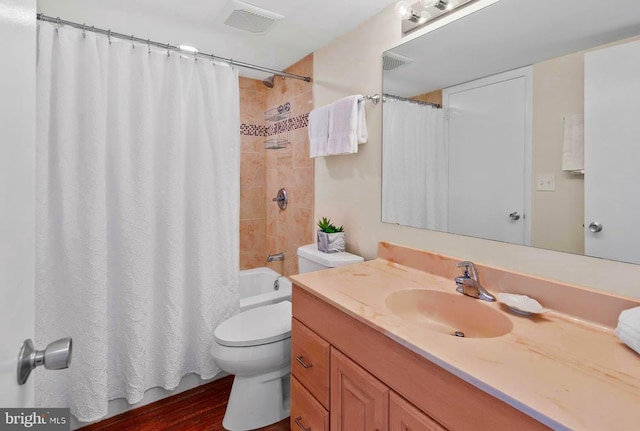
(365, 357)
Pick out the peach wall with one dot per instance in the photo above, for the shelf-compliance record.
(292, 169)
(253, 217)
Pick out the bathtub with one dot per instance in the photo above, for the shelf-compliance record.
(257, 287)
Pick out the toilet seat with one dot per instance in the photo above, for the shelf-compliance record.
(261, 325)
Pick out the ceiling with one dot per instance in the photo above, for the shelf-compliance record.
(307, 25)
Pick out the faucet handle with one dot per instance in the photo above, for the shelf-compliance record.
(469, 269)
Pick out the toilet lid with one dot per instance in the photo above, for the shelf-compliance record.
(261, 325)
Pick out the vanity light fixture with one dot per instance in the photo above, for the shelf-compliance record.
(419, 13)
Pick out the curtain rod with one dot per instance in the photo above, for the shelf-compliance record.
(167, 46)
(404, 99)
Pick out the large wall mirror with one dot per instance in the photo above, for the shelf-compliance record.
(520, 123)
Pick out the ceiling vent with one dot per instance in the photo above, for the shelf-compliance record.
(392, 60)
(247, 17)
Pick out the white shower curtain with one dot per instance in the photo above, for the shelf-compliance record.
(414, 167)
(137, 215)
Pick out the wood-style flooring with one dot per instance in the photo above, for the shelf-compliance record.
(201, 408)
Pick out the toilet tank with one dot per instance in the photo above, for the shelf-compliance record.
(311, 259)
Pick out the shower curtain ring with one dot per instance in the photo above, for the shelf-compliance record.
(58, 24)
(149, 46)
(84, 31)
(133, 44)
(109, 36)
(168, 52)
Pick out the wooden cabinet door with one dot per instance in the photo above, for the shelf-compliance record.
(403, 416)
(359, 401)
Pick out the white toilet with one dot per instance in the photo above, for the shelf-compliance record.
(255, 345)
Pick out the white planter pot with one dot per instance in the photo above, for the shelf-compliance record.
(331, 242)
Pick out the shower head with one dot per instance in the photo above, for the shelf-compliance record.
(268, 82)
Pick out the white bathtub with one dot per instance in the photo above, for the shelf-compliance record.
(257, 288)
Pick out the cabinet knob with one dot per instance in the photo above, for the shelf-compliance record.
(302, 362)
(298, 422)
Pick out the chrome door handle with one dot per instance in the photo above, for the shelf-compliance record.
(514, 215)
(302, 362)
(298, 422)
(595, 227)
(56, 356)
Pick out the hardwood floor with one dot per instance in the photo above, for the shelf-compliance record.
(201, 408)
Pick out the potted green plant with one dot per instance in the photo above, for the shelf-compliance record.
(330, 237)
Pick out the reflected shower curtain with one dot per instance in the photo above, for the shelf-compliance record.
(414, 166)
(137, 215)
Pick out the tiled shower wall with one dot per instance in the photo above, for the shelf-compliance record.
(253, 212)
(264, 228)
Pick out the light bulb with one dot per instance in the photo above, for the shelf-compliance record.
(440, 4)
(424, 17)
(428, 3)
(403, 10)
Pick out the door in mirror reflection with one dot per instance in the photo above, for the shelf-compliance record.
(487, 131)
(612, 152)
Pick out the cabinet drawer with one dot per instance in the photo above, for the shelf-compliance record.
(310, 361)
(403, 416)
(306, 412)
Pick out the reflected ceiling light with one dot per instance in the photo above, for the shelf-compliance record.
(415, 15)
(439, 4)
(404, 10)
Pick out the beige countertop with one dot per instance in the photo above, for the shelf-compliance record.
(564, 372)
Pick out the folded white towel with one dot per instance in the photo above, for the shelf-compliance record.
(573, 148)
(628, 329)
(344, 132)
(319, 131)
(362, 132)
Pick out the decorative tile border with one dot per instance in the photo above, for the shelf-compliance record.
(253, 130)
(282, 126)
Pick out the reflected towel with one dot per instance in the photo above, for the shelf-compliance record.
(346, 125)
(319, 131)
(628, 329)
(573, 147)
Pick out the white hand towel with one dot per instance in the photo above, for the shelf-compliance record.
(343, 126)
(628, 329)
(573, 148)
(362, 132)
(319, 131)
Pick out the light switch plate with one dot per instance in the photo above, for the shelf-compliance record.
(546, 182)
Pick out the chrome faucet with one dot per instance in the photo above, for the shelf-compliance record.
(274, 257)
(469, 284)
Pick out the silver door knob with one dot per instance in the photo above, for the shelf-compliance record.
(595, 227)
(56, 356)
(514, 215)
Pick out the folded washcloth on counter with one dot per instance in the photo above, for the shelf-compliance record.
(628, 329)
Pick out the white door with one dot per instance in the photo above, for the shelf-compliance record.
(17, 192)
(612, 152)
(488, 131)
